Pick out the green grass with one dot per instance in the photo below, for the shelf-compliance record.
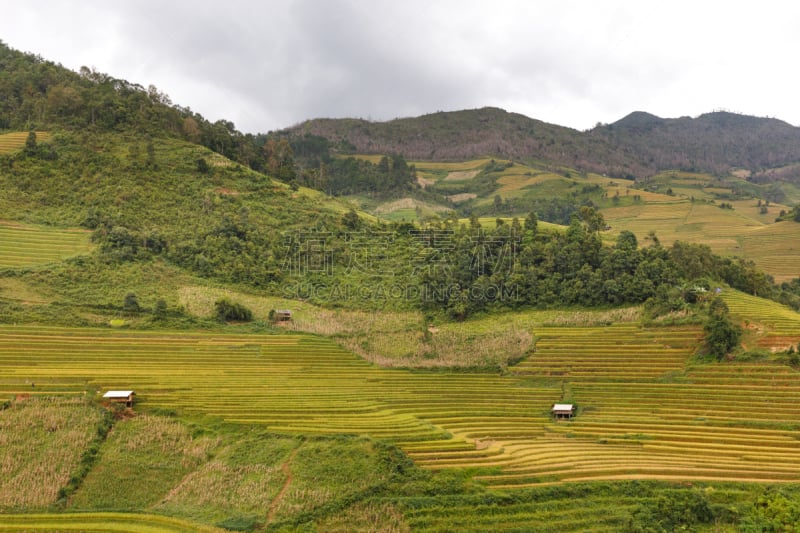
(143, 458)
(388, 338)
(26, 245)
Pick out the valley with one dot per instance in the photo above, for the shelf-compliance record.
(351, 325)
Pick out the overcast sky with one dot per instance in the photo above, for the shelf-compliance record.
(269, 64)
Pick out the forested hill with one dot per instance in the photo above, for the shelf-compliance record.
(636, 146)
(713, 142)
(39, 94)
(460, 135)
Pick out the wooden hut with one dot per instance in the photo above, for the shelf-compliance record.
(283, 315)
(120, 396)
(563, 410)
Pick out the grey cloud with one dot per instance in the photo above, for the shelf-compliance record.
(267, 65)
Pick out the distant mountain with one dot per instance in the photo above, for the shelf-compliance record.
(460, 135)
(639, 144)
(713, 142)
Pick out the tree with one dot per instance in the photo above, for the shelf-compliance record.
(351, 221)
(531, 222)
(722, 335)
(594, 220)
(30, 143)
(191, 130)
(226, 310)
(202, 166)
(280, 159)
(383, 165)
(160, 310)
(131, 303)
(498, 203)
(151, 155)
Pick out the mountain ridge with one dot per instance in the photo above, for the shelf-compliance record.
(637, 145)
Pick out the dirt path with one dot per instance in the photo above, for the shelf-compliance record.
(273, 507)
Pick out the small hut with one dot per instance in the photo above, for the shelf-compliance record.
(563, 410)
(120, 396)
(283, 315)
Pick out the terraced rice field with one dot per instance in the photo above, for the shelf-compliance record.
(739, 232)
(11, 142)
(778, 326)
(101, 522)
(643, 411)
(775, 248)
(24, 245)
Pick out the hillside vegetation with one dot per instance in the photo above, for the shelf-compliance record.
(449, 279)
(638, 145)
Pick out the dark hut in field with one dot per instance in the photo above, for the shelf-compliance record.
(563, 411)
(283, 315)
(120, 396)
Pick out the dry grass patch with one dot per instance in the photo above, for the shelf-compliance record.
(390, 339)
(462, 197)
(462, 175)
(41, 444)
(424, 182)
(451, 166)
(407, 203)
(19, 291)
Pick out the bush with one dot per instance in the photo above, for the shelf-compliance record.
(722, 335)
(227, 311)
(678, 510)
(160, 310)
(131, 303)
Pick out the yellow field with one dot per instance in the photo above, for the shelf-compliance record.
(514, 179)
(740, 232)
(123, 522)
(11, 142)
(460, 166)
(645, 411)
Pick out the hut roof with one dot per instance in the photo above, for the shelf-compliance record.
(562, 407)
(113, 394)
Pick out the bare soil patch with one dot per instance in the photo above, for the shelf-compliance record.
(462, 175)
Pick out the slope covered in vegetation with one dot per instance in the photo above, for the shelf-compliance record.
(199, 234)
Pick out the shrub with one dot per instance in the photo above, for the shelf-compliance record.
(160, 310)
(131, 303)
(226, 311)
(722, 335)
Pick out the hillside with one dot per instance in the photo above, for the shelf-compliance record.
(713, 142)
(460, 135)
(143, 248)
(638, 145)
